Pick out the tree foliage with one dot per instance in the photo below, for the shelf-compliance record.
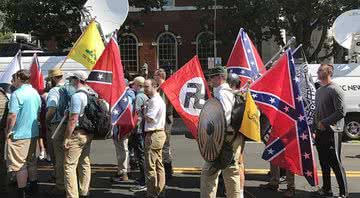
(53, 19)
(300, 18)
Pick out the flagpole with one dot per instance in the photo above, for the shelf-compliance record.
(215, 50)
(291, 41)
(77, 41)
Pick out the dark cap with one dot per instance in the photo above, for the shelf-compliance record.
(217, 71)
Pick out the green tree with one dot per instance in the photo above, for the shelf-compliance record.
(52, 19)
(300, 18)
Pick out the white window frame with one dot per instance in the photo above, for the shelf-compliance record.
(197, 43)
(137, 50)
(158, 50)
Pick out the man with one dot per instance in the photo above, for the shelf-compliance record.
(121, 143)
(77, 142)
(55, 147)
(160, 76)
(22, 132)
(231, 174)
(328, 125)
(3, 117)
(155, 111)
(138, 136)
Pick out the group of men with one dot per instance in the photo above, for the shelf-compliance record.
(69, 145)
(327, 130)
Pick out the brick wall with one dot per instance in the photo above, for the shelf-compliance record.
(186, 24)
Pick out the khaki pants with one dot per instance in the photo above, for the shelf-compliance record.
(275, 177)
(77, 165)
(57, 147)
(166, 153)
(122, 154)
(209, 182)
(21, 154)
(154, 167)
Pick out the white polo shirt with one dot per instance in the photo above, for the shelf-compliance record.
(156, 110)
(226, 97)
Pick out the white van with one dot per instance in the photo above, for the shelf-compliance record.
(347, 76)
(46, 63)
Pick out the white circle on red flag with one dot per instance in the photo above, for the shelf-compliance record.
(192, 96)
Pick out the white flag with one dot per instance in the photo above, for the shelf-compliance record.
(11, 69)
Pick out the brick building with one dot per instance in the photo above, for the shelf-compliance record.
(171, 37)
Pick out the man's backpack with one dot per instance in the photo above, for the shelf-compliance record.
(4, 110)
(96, 118)
(65, 93)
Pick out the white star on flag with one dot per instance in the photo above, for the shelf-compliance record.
(286, 109)
(271, 151)
(306, 155)
(248, 51)
(242, 72)
(245, 39)
(100, 76)
(301, 118)
(116, 112)
(308, 173)
(299, 98)
(231, 71)
(297, 79)
(254, 95)
(252, 63)
(272, 100)
(124, 99)
(304, 136)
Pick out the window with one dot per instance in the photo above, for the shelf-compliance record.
(128, 44)
(169, 3)
(167, 51)
(205, 48)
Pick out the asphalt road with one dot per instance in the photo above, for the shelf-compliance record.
(188, 162)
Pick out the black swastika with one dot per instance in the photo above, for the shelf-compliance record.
(197, 95)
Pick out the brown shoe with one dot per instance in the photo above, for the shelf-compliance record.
(121, 178)
(270, 186)
(290, 192)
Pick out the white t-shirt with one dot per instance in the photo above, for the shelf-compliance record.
(226, 97)
(156, 110)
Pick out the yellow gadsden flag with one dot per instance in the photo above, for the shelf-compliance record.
(250, 125)
(88, 48)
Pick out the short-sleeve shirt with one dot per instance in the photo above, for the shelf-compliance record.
(156, 110)
(25, 102)
(52, 100)
(226, 97)
(78, 102)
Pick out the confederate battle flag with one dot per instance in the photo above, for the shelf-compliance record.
(107, 79)
(244, 59)
(186, 91)
(289, 144)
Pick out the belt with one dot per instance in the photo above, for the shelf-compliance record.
(154, 131)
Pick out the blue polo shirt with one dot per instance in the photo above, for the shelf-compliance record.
(25, 102)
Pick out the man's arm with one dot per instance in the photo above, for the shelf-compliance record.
(152, 111)
(10, 123)
(50, 113)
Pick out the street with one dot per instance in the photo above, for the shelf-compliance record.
(188, 163)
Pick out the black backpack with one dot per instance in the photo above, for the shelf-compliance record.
(65, 92)
(96, 118)
(237, 112)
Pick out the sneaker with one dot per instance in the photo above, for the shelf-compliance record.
(289, 193)
(323, 193)
(120, 178)
(270, 186)
(138, 188)
(282, 179)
